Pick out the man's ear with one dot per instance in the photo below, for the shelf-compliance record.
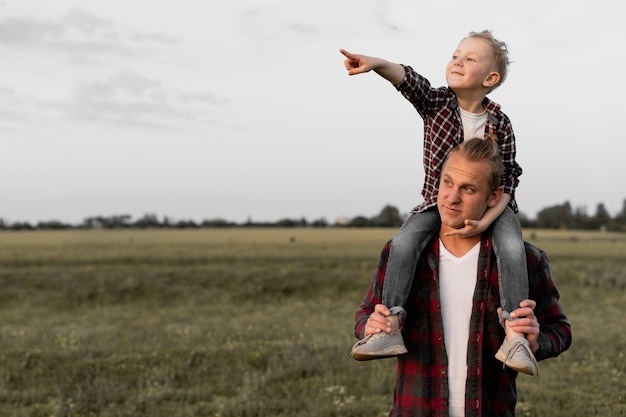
(495, 197)
(492, 79)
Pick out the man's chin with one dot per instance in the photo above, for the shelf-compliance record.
(453, 224)
(452, 218)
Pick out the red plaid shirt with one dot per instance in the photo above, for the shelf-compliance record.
(422, 384)
(443, 130)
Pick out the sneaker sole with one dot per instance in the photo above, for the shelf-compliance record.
(387, 353)
(500, 356)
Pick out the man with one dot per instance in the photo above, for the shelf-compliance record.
(451, 328)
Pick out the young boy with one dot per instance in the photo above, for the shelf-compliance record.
(451, 115)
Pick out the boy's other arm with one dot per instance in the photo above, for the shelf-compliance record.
(358, 64)
(476, 227)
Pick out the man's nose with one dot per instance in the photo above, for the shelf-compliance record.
(453, 195)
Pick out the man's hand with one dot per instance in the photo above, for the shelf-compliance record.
(377, 321)
(526, 323)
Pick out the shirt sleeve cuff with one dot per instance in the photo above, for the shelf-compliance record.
(404, 84)
(545, 347)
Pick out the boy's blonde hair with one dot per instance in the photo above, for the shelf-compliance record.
(500, 54)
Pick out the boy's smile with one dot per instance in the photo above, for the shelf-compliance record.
(470, 66)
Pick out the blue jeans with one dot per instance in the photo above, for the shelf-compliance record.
(418, 230)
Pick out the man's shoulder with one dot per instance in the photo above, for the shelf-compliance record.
(531, 248)
(535, 255)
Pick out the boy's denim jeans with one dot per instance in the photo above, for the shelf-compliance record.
(417, 231)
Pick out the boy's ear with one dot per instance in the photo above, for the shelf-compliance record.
(492, 79)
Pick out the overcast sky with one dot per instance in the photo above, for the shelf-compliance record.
(199, 109)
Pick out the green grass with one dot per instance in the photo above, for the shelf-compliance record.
(254, 322)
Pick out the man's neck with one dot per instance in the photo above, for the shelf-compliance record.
(456, 245)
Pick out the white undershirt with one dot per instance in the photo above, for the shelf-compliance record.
(457, 281)
(473, 124)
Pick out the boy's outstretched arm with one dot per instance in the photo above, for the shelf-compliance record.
(475, 227)
(358, 64)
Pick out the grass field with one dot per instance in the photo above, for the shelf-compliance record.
(255, 322)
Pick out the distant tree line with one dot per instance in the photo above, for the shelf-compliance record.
(564, 217)
(556, 217)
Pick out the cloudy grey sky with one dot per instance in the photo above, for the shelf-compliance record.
(241, 109)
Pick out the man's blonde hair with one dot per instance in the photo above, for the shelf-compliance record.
(479, 150)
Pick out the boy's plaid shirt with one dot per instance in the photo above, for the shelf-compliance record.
(443, 130)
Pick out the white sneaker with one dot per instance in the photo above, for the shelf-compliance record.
(382, 345)
(517, 355)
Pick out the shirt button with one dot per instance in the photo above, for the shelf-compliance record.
(445, 403)
(443, 372)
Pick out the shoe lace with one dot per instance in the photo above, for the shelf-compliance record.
(377, 336)
(525, 348)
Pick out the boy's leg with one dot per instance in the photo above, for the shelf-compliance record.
(508, 245)
(406, 248)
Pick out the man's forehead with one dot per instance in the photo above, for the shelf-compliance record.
(459, 168)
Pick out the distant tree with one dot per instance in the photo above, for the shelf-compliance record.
(555, 217)
(524, 220)
(148, 220)
(360, 221)
(292, 223)
(217, 223)
(52, 225)
(620, 218)
(186, 224)
(21, 226)
(388, 217)
(91, 223)
(319, 223)
(286, 223)
(602, 218)
(112, 222)
(580, 219)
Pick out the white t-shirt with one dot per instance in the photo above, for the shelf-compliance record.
(457, 281)
(473, 124)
